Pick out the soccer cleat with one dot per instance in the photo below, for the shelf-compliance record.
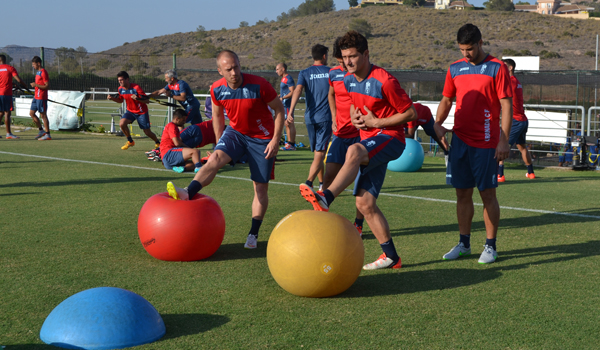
(359, 229)
(151, 153)
(501, 178)
(128, 144)
(250, 242)
(176, 192)
(11, 137)
(383, 262)
(530, 175)
(178, 169)
(456, 252)
(40, 134)
(196, 170)
(46, 137)
(316, 199)
(288, 147)
(488, 256)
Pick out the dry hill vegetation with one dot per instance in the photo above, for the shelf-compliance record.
(402, 38)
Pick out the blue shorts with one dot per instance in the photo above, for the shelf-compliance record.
(236, 145)
(192, 136)
(193, 115)
(174, 157)
(319, 135)
(470, 167)
(39, 105)
(382, 149)
(338, 148)
(6, 103)
(518, 131)
(142, 119)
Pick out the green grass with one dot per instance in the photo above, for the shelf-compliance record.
(70, 226)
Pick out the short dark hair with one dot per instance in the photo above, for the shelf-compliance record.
(123, 74)
(283, 65)
(2, 58)
(354, 39)
(179, 113)
(36, 59)
(509, 62)
(468, 34)
(337, 52)
(318, 51)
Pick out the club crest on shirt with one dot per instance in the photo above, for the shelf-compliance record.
(367, 88)
(370, 143)
(245, 92)
(483, 68)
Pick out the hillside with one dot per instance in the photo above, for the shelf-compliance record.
(403, 38)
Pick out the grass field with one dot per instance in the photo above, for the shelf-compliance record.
(69, 223)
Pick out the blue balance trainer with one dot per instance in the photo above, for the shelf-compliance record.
(410, 160)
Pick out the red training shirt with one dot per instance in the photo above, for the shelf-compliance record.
(41, 78)
(166, 141)
(343, 102)
(133, 106)
(6, 77)
(518, 110)
(424, 116)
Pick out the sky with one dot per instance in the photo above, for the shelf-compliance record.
(102, 25)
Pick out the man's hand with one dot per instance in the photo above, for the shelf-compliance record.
(290, 118)
(503, 148)
(33, 85)
(356, 117)
(272, 149)
(440, 131)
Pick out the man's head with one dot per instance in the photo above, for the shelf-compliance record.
(123, 78)
(36, 62)
(228, 65)
(355, 51)
(511, 65)
(319, 53)
(337, 52)
(470, 43)
(281, 69)
(171, 76)
(179, 117)
(2, 59)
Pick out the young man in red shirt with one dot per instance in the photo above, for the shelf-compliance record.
(7, 74)
(481, 85)
(518, 131)
(379, 109)
(173, 150)
(252, 131)
(426, 121)
(40, 99)
(137, 109)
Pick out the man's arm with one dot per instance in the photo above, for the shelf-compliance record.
(41, 87)
(181, 97)
(273, 146)
(218, 121)
(410, 133)
(440, 116)
(157, 93)
(371, 121)
(503, 148)
(289, 95)
(295, 98)
(332, 107)
(18, 79)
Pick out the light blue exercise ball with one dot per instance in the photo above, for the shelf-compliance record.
(410, 160)
(102, 318)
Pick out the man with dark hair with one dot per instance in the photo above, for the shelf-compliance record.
(40, 99)
(481, 85)
(252, 131)
(180, 91)
(518, 131)
(379, 109)
(344, 133)
(7, 74)
(317, 115)
(425, 120)
(286, 90)
(173, 152)
(137, 109)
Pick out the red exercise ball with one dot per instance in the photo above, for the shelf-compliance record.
(176, 230)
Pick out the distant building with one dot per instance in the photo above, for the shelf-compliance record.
(437, 4)
(557, 8)
(451, 5)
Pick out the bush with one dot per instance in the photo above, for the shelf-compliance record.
(539, 43)
(548, 54)
(282, 51)
(361, 26)
(590, 53)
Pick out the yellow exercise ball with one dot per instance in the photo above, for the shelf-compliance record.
(315, 254)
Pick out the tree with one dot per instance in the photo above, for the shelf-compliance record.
(8, 58)
(499, 5)
(353, 3)
(208, 50)
(282, 51)
(414, 3)
(310, 7)
(200, 32)
(243, 24)
(80, 52)
(522, 3)
(361, 26)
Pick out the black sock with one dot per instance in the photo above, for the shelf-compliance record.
(491, 242)
(530, 169)
(329, 197)
(309, 183)
(194, 188)
(466, 240)
(40, 129)
(359, 222)
(198, 165)
(255, 227)
(129, 139)
(501, 170)
(389, 250)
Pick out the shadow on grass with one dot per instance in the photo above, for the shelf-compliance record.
(236, 251)
(179, 325)
(90, 181)
(18, 194)
(403, 281)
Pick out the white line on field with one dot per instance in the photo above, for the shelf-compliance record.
(289, 184)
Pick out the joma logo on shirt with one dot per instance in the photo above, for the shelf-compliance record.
(225, 93)
(465, 68)
(319, 76)
(352, 84)
(339, 76)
